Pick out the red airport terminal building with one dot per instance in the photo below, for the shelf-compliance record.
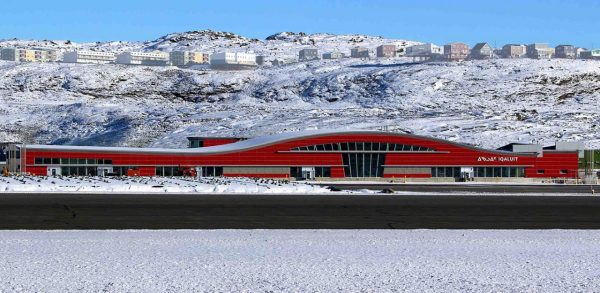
(319, 154)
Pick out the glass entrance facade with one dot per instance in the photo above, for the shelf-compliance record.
(363, 164)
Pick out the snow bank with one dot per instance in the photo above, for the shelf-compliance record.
(152, 184)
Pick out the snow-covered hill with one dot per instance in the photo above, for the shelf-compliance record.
(486, 103)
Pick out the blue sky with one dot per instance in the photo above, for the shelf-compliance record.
(498, 22)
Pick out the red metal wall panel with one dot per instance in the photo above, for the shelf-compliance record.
(218, 141)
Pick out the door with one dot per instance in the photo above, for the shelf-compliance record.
(466, 173)
(53, 171)
(103, 171)
(308, 173)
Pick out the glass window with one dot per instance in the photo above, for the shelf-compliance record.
(81, 161)
(497, 172)
(360, 146)
(479, 172)
(72, 161)
(351, 146)
(55, 161)
(47, 161)
(92, 171)
(363, 146)
(39, 161)
(344, 146)
(295, 172)
(64, 161)
(107, 162)
(91, 161)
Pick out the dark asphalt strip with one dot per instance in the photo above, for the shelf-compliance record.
(284, 211)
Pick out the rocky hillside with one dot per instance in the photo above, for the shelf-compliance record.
(486, 103)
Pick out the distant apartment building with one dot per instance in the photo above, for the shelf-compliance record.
(333, 55)
(514, 51)
(424, 50)
(308, 54)
(87, 56)
(539, 51)
(232, 61)
(579, 50)
(155, 58)
(28, 55)
(565, 51)
(386, 51)
(187, 58)
(482, 51)
(359, 52)
(456, 51)
(591, 54)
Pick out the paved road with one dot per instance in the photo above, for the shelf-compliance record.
(466, 187)
(209, 211)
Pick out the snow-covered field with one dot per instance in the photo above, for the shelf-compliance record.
(300, 261)
(152, 185)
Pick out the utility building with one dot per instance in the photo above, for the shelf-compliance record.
(359, 52)
(308, 54)
(482, 51)
(514, 51)
(565, 52)
(456, 51)
(333, 55)
(386, 51)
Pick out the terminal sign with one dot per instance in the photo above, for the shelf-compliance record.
(497, 159)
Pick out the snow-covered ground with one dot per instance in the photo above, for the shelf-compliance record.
(300, 261)
(485, 103)
(151, 184)
(175, 185)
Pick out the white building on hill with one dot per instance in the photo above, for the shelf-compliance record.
(155, 58)
(232, 60)
(87, 56)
